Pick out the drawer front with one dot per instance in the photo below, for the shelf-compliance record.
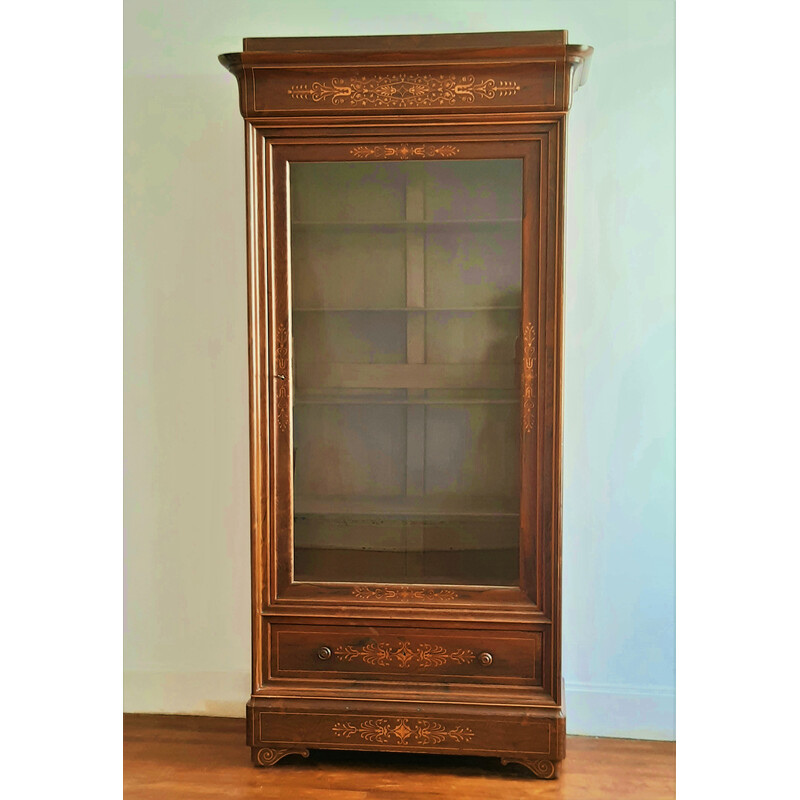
(403, 654)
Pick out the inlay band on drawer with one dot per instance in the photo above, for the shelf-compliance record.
(403, 654)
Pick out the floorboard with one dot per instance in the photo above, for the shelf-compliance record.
(205, 757)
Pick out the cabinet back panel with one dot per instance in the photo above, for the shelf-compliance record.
(476, 265)
(473, 190)
(350, 450)
(349, 192)
(342, 267)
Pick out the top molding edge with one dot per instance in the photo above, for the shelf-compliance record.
(417, 42)
(496, 63)
(433, 46)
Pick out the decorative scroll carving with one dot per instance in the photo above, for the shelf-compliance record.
(267, 756)
(404, 594)
(400, 731)
(423, 656)
(282, 389)
(404, 151)
(541, 768)
(528, 359)
(403, 91)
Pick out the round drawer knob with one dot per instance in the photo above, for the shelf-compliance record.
(485, 659)
(324, 653)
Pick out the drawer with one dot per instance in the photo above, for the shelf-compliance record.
(405, 654)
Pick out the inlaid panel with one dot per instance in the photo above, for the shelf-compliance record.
(537, 84)
(406, 654)
(499, 735)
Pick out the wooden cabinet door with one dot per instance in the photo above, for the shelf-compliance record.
(404, 293)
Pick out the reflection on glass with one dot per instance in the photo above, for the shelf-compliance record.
(406, 291)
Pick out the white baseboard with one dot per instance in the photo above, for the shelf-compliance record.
(625, 712)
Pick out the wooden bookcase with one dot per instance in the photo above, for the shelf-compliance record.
(405, 212)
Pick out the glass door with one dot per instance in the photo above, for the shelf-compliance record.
(407, 338)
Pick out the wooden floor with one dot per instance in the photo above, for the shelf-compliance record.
(205, 757)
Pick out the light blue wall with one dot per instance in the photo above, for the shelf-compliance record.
(186, 514)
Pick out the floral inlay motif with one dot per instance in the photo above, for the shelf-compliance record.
(528, 358)
(404, 655)
(282, 390)
(404, 151)
(401, 731)
(404, 594)
(403, 91)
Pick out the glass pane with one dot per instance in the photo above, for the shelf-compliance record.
(406, 292)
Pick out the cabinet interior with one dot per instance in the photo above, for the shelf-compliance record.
(406, 310)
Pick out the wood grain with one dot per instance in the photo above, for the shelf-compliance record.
(203, 757)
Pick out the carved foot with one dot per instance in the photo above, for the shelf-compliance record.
(267, 756)
(540, 767)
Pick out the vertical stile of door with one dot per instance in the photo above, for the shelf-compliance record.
(415, 354)
(530, 550)
(281, 409)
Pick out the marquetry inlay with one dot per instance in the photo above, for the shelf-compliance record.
(282, 379)
(528, 358)
(405, 656)
(401, 731)
(267, 756)
(404, 594)
(405, 151)
(403, 91)
(542, 767)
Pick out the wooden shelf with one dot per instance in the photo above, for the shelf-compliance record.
(406, 534)
(320, 375)
(336, 401)
(402, 224)
(400, 309)
(454, 508)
